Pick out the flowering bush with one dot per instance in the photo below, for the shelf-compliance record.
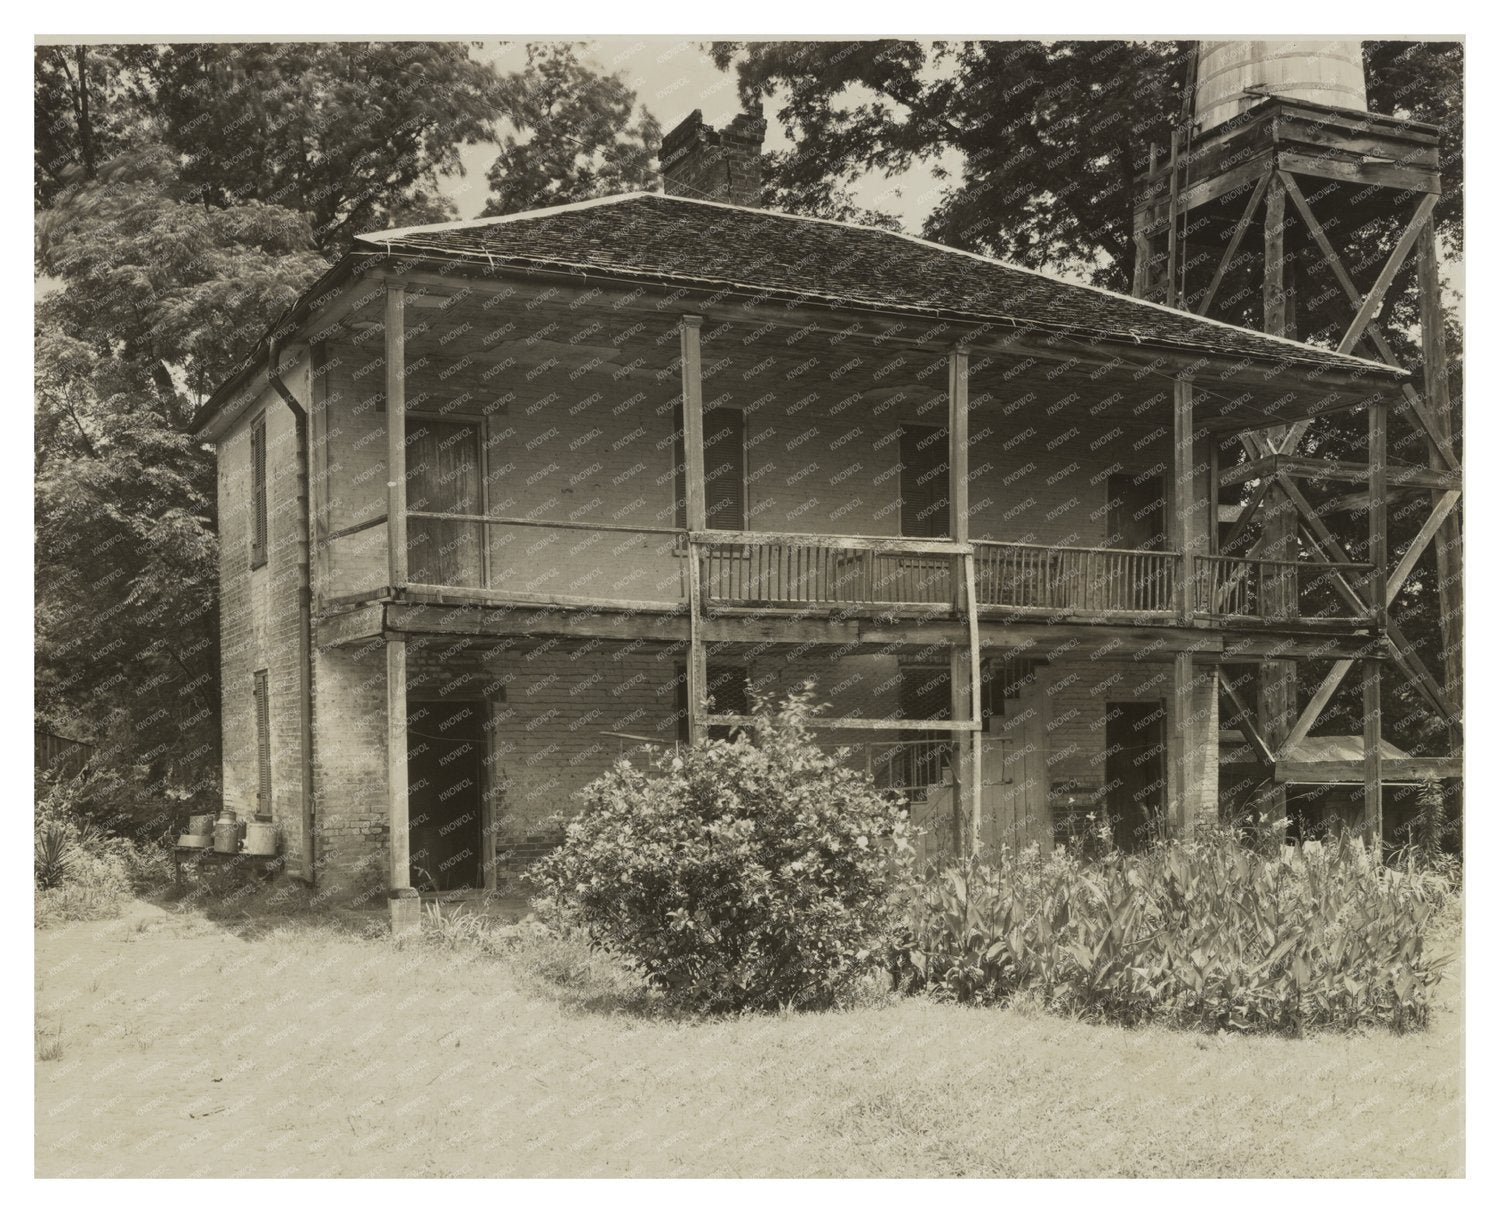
(1211, 933)
(746, 874)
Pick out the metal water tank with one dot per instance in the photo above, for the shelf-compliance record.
(1326, 71)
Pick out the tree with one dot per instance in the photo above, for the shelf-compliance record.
(1054, 138)
(355, 135)
(84, 106)
(578, 134)
(188, 194)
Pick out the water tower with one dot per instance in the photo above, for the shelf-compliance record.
(1282, 203)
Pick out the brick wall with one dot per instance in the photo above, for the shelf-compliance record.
(259, 615)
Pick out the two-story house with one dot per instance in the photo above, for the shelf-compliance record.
(502, 499)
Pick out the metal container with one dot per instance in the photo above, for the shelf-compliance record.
(1328, 71)
(228, 831)
(260, 838)
(196, 840)
(201, 823)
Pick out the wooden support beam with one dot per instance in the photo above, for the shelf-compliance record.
(958, 444)
(348, 627)
(690, 332)
(1379, 550)
(1276, 685)
(1392, 770)
(1374, 826)
(397, 790)
(1370, 308)
(966, 807)
(861, 723)
(1449, 553)
(1273, 286)
(1445, 504)
(1174, 269)
(1401, 651)
(395, 431)
(1344, 471)
(1416, 409)
(1243, 721)
(967, 680)
(1182, 492)
(1320, 700)
(1247, 516)
(1183, 740)
(1240, 228)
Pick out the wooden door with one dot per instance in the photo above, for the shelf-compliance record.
(444, 475)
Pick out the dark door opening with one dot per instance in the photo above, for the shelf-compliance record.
(1136, 518)
(445, 779)
(1135, 770)
(924, 481)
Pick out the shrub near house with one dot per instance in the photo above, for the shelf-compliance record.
(738, 875)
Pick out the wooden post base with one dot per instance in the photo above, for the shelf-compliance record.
(406, 911)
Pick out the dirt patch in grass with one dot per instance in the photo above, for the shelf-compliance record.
(302, 1044)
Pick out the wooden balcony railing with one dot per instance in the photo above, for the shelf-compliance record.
(1240, 587)
(1082, 580)
(588, 563)
(752, 569)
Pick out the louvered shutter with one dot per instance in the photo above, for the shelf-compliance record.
(259, 514)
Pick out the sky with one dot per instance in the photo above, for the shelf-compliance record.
(672, 77)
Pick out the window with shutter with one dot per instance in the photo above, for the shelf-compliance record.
(262, 744)
(259, 517)
(723, 469)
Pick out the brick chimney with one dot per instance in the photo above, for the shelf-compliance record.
(722, 166)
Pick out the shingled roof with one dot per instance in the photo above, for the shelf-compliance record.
(691, 242)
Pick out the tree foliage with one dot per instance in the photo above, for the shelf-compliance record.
(577, 134)
(1052, 138)
(354, 135)
(186, 195)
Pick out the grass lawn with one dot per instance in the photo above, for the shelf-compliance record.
(170, 1044)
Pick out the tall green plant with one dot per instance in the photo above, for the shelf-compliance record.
(1208, 934)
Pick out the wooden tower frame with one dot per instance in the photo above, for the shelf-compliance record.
(1279, 151)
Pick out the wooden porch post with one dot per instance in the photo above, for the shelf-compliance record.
(1186, 532)
(395, 430)
(406, 908)
(965, 671)
(1182, 494)
(1378, 555)
(1374, 824)
(1184, 737)
(690, 331)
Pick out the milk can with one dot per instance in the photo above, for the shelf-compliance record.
(227, 832)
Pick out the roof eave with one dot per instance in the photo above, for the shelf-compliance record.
(1314, 360)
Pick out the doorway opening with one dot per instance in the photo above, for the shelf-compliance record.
(1135, 771)
(445, 755)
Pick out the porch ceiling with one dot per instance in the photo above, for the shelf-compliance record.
(625, 341)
